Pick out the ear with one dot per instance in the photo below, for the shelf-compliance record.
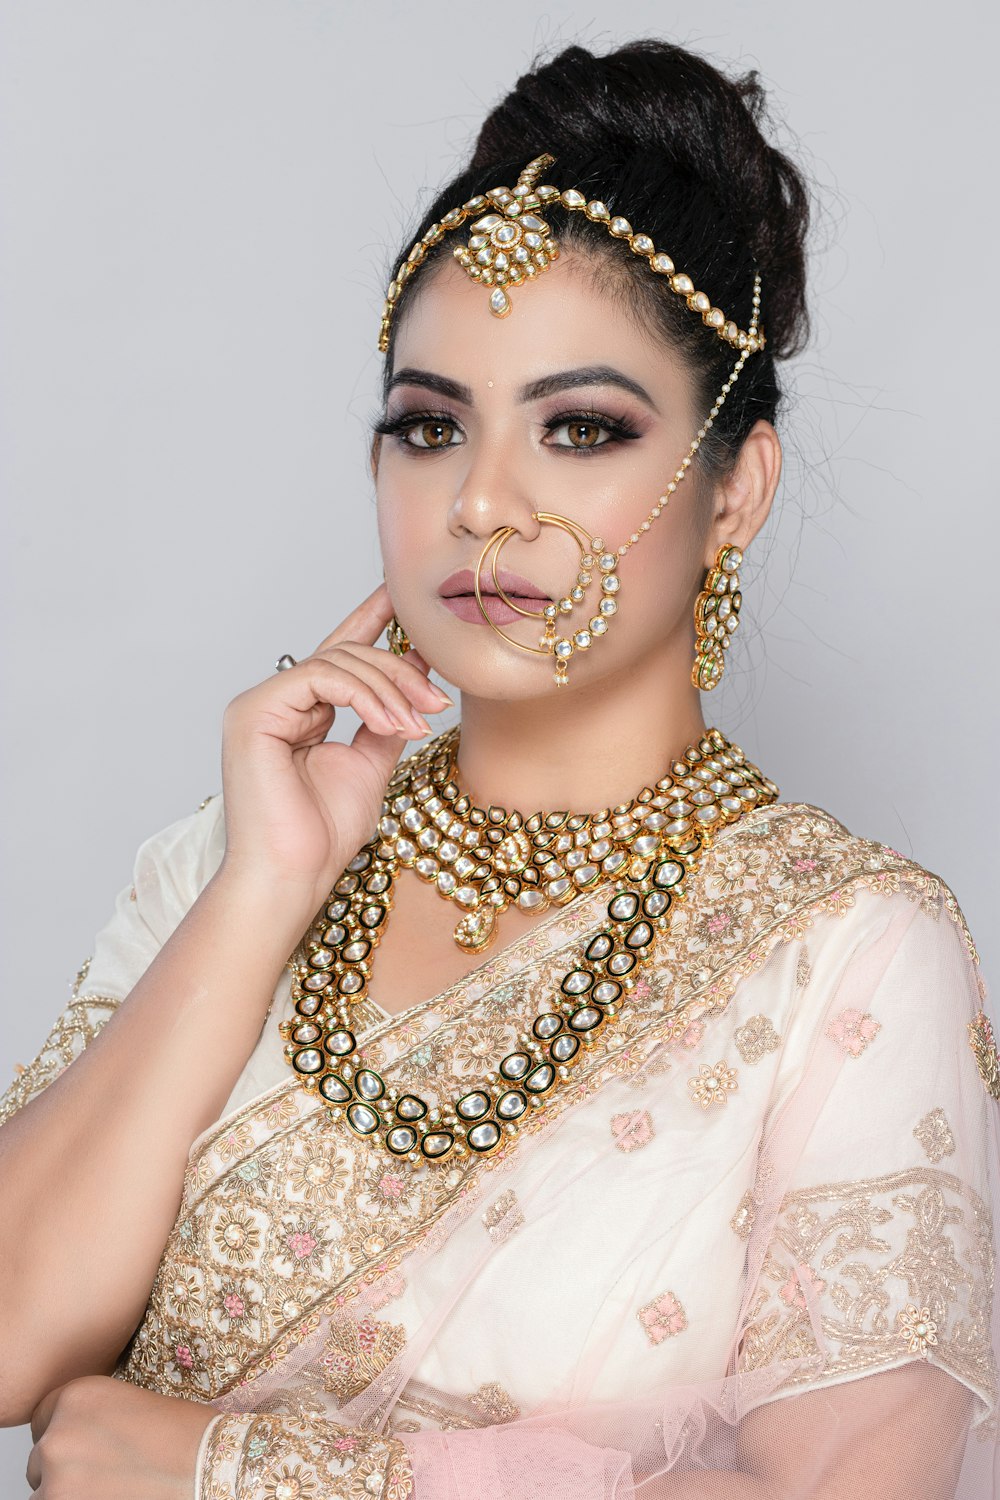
(742, 502)
(373, 456)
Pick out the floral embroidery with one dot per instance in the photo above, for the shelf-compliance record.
(751, 862)
(755, 1038)
(743, 1219)
(802, 1276)
(713, 1085)
(662, 1318)
(632, 1131)
(853, 1030)
(355, 1353)
(805, 864)
(281, 1112)
(300, 1458)
(984, 1049)
(691, 1035)
(495, 1404)
(803, 970)
(237, 1143)
(320, 1177)
(237, 1236)
(917, 1329)
(290, 1484)
(919, 1237)
(934, 1134)
(503, 1217)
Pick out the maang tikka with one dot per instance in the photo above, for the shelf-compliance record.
(510, 244)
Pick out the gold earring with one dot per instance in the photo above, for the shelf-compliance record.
(399, 641)
(716, 616)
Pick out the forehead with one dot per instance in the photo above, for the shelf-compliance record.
(569, 315)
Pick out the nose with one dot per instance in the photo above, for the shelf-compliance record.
(492, 493)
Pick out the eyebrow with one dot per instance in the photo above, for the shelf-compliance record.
(545, 385)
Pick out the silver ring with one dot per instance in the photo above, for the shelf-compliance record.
(284, 662)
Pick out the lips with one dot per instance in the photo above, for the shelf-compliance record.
(458, 594)
(514, 584)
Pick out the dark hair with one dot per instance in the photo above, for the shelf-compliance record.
(663, 137)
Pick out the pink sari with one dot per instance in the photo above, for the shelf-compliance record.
(748, 1252)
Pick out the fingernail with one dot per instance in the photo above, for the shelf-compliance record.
(450, 702)
(421, 723)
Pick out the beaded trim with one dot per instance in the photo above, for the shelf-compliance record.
(511, 243)
(715, 783)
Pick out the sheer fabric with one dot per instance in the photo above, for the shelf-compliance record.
(748, 1252)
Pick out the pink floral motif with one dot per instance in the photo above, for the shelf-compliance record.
(235, 1143)
(301, 1244)
(801, 1276)
(805, 864)
(185, 1357)
(385, 1290)
(368, 1333)
(692, 1034)
(662, 1318)
(632, 1131)
(853, 1030)
(345, 1444)
(390, 1186)
(234, 1305)
(720, 923)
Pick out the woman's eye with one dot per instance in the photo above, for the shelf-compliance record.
(429, 434)
(582, 433)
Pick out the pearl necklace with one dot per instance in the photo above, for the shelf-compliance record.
(654, 843)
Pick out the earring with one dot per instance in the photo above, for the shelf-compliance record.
(399, 641)
(716, 616)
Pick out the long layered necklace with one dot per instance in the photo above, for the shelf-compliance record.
(486, 859)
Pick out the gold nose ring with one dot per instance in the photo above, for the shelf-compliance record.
(550, 643)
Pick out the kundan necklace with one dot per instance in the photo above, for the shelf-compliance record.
(486, 859)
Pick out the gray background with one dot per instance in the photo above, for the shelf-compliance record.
(199, 203)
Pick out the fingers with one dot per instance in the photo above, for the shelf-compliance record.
(366, 623)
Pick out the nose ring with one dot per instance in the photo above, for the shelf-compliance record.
(562, 647)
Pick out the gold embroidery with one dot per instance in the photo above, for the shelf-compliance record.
(803, 969)
(205, 801)
(276, 1456)
(662, 1318)
(495, 1404)
(934, 1134)
(713, 1085)
(503, 1217)
(632, 1130)
(917, 1239)
(984, 1049)
(309, 1257)
(917, 1329)
(742, 1221)
(755, 1038)
(72, 1031)
(852, 1030)
(356, 1352)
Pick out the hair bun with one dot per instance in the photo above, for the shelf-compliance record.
(652, 119)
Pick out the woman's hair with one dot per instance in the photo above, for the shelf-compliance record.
(664, 138)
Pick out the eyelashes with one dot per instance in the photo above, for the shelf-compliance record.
(400, 427)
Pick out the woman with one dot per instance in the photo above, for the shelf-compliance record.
(614, 1129)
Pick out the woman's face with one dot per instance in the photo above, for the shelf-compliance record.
(566, 406)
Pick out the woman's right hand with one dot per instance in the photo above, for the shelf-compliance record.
(297, 808)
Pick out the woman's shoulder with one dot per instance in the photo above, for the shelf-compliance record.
(821, 864)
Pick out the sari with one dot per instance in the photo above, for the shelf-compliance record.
(746, 1251)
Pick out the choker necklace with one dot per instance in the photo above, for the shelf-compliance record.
(486, 859)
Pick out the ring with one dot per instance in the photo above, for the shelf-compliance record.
(284, 662)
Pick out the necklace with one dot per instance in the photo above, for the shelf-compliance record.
(648, 847)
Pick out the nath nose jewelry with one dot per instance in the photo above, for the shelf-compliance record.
(511, 244)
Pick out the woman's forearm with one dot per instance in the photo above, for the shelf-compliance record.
(92, 1168)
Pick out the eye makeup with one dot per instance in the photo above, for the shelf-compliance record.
(405, 422)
